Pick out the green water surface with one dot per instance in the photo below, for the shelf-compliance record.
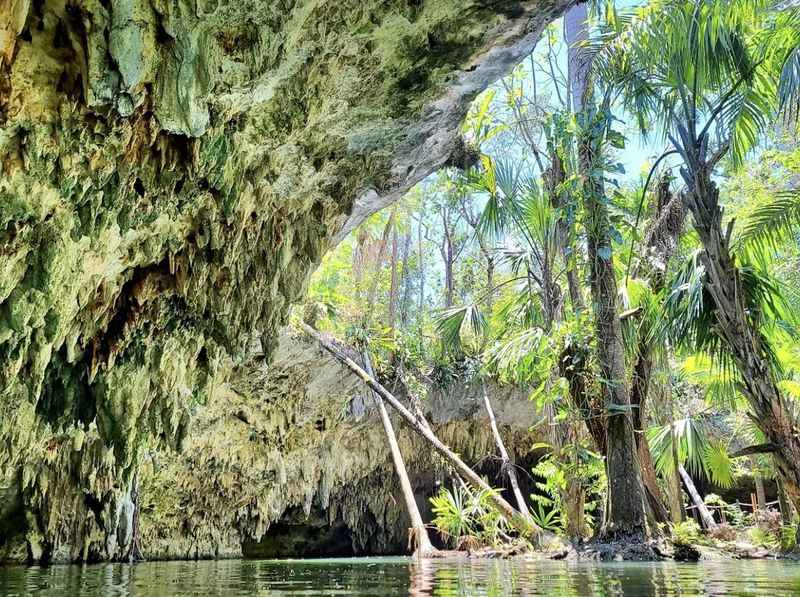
(403, 576)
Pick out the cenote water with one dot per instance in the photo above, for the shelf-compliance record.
(402, 576)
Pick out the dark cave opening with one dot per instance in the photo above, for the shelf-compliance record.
(313, 538)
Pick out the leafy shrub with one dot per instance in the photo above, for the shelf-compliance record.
(759, 536)
(550, 520)
(552, 475)
(734, 515)
(686, 533)
(789, 537)
(451, 516)
(770, 521)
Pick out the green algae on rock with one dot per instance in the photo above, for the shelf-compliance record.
(171, 174)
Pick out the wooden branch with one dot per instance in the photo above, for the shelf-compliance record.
(629, 313)
(705, 515)
(756, 449)
(507, 466)
(522, 524)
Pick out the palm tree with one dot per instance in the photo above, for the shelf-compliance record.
(705, 74)
(660, 243)
(627, 511)
(527, 218)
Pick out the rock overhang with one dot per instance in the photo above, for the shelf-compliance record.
(173, 171)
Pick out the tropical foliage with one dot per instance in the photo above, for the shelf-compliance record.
(485, 271)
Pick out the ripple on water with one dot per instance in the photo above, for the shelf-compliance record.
(402, 576)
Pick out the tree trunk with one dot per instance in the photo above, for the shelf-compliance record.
(674, 500)
(405, 301)
(761, 498)
(507, 466)
(381, 255)
(578, 60)
(660, 242)
(627, 512)
(576, 32)
(642, 373)
(784, 503)
(702, 509)
(421, 268)
(522, 524)
(676, 473)
(737, 326)
(556, 175)
(574, 498)
(418, 534)
(394, 282)
(572, 366)
(489, 283)
(447, 251)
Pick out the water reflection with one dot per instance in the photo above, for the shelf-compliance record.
(401, 576)
(567, 579)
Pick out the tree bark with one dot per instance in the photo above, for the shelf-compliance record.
(372, 293)
(674, 500)
(784, 503)
(522, 524)
(506, 465)
(447, 250)
(660, 242)
(627, 512)
(421, 267)
(702, 509)
(678, 513)
(572, 366)
(405, 301)
(761, 497)
(418, 534)
(554, 177)
(642, 373)
(578, 60)
(737, 326)
(394, 282)
(574, 498)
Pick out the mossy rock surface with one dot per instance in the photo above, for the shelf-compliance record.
(170, 174)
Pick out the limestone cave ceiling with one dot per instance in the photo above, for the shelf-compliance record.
(172, 172)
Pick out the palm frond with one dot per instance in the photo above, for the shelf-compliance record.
(789, 85)
(690, 316)
(718, 465)
(691, 442)
(771, 221)
(695, 449)
(455, 324)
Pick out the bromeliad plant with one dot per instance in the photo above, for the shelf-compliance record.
(464, 519)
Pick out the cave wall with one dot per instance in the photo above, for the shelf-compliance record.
(171, 171)
(292, 444)
(289, 455)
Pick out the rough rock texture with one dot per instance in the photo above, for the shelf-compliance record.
(296, 443)
(170, 173)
